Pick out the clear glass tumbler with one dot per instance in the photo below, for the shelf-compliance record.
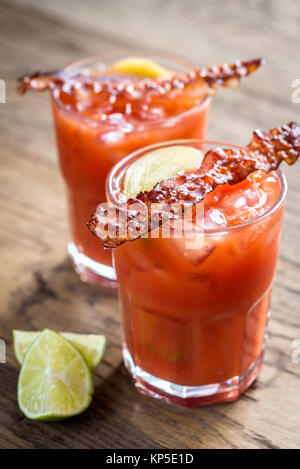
(88, 148)
(194, 320)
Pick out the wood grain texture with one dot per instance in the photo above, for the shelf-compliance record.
(38, 286)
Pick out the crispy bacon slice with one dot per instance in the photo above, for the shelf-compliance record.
(132, 219)
(40, 81)
(204, 79)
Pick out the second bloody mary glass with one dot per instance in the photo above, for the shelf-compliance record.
(194, 319)
(90, 146)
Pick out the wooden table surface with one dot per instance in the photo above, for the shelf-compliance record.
(38, 286)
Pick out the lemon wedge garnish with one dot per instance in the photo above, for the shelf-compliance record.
(145, 68)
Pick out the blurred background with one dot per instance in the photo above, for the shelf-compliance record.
(38, 286)
(46, 35)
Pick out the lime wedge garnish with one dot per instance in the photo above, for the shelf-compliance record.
(22, 341)
(145, 68)
(157, 165)
(91, 346)
(55, 381)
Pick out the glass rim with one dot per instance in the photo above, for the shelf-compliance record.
(208, 232)
(97, 58)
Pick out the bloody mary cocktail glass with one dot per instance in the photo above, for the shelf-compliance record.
(91, 141)
(194, 318)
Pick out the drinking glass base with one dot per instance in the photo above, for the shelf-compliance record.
(91, 271)
(191, 396)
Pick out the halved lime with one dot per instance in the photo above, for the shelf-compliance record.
(91, 346)
(157, 165)
(55, 382)
(141, 67)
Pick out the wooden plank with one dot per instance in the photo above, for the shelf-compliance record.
(38, 286)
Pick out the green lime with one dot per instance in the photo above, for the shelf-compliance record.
(157, 165)
(91, 346)
(55, 381)
(22, 341)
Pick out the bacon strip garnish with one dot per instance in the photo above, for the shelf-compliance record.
(204, 79)
(220, 166)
